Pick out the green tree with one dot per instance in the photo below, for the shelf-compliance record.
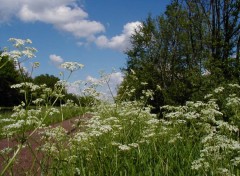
(163, 55)
(50, 81)
(9, 75)
(222, 24)
(47, 79)
(173, 52)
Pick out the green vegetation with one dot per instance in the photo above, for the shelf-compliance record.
(185, 53)
(9, 76)
(126, 139)
(177, 111)
(47, 79)
(60, 114)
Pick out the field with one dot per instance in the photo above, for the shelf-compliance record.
(124, 137)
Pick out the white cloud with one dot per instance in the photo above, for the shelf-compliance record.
(54, 15)
(83, 28)
(56, 60)
(116, 78)
(120, 42)
(65, 15)
(92, 80)
(78, 87)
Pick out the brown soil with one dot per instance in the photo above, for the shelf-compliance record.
(25, 158)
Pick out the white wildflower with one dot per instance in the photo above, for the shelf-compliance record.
(36, 64)
(200, 164)
(49, 148)
(17, 42)
(29, 52)
(38, 101)
(5, 54)
(80, 137)
(149, 135)
(72, 66)
(225, 125)
(134, 145)
(219, 89)
(224, 171)
(208, 96)
(115, 143)
(152, 121)
(175, 138)
(52, 111)
(144, 83)
(6, 120)
(6, 151)
(236, 161)
(105, 128)
(77, 171)
(191, 115)
(233, 101)
(16, 125)
(95, 133)
(124, 147)
(234, 85)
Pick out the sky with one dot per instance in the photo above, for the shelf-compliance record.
(92, 32)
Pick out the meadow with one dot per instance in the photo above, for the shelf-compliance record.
(125, 138)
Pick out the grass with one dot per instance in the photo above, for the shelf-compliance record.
(64, 114)
(126, 139)
(199, 138)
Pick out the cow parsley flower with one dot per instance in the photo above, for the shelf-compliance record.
(236, 161)
(134, 145)
(72, 66)
(219, 89)
(124, 147)
(36, 64)
(234, 85)
(200, 164)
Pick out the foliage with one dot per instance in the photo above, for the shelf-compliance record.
(8, 76)
(124, 138)
(186, 52)
(47, 79)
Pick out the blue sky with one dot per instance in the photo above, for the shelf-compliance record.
(92, 32)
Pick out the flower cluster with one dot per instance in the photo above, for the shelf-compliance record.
(72, 66)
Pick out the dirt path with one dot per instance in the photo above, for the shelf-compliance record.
(25, 157)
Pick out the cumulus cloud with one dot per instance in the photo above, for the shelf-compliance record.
(56, 60)
(115, 79)
(92, 80)
(65, 15)
(120, 42)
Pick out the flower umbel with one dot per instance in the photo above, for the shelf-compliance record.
(72, 66)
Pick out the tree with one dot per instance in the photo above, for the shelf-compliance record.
(223, 27)
(9, 76)
(50, 81)
(173, 52)
(47, 79)
(164, 55)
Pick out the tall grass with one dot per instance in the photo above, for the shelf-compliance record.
(126, 139)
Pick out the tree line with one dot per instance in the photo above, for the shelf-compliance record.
(184, 53)
(10, 75)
